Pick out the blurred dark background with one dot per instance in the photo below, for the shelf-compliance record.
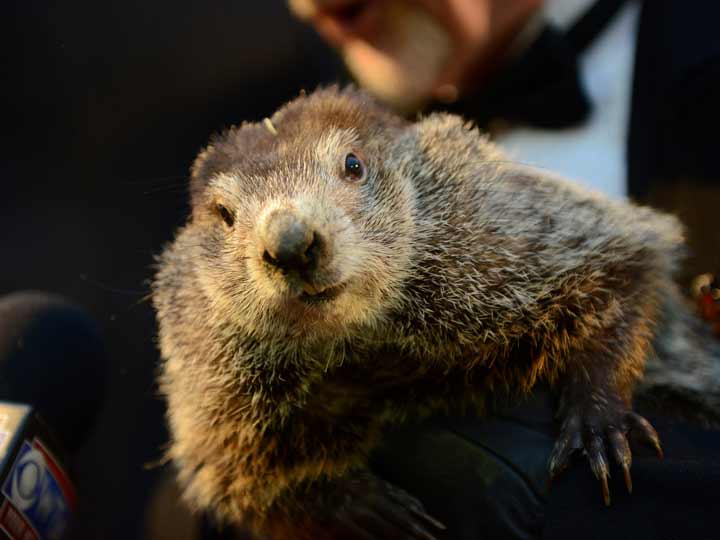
(107, 103)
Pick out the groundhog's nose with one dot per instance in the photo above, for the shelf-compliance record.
(289, 243)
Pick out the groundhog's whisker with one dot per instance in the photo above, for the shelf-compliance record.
(155, 180)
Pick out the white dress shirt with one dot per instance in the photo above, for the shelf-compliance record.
(594, 153)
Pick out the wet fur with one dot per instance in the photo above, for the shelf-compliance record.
(471, 276)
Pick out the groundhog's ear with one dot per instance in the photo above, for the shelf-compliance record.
(198, 173)
(199, 165)
(201, 171)
(449, 140)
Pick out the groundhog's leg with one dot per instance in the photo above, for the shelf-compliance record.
(596, 414)
(357, 506)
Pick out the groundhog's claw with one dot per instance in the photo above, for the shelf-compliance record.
(601, 431)
(594, 446)
(373, 509)
(565, 446)
(644, 430)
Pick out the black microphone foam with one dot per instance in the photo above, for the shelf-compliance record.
(52, 358)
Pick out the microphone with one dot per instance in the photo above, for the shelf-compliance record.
(52, 379)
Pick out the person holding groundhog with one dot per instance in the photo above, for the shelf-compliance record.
(562, 86)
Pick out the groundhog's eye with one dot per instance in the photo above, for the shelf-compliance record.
(354, 168)
(226, 215)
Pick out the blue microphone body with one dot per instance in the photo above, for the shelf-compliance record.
(38, 497)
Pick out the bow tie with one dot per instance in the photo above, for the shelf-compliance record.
(542, 86)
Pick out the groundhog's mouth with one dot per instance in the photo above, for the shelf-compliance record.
(313, 295)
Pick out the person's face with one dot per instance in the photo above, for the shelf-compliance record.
(407, 51)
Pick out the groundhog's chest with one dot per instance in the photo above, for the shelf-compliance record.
(388, 380)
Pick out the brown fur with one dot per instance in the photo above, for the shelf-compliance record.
(465, 273)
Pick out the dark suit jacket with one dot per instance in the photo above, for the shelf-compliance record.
(675, 114)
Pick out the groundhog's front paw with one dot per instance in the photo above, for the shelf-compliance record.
(600, 426)
(364, 507)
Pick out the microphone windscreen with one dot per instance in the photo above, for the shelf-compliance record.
(52, 358)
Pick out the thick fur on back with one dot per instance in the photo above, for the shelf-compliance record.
(462, 273)
(682, 376)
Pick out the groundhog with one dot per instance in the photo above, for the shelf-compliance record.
(344, 268)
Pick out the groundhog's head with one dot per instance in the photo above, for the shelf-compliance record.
(306, 217)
